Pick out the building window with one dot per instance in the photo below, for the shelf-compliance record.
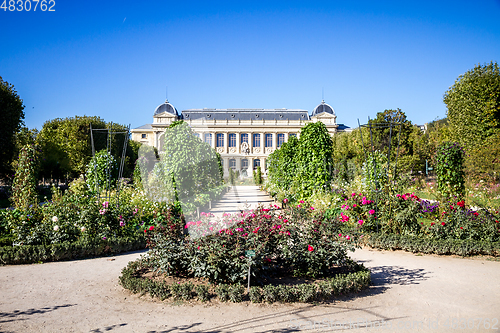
(244, 138)
(256, 163)
(144, 136)
(292, 134)
(244, 164)
(220, 139)
(232, 140)
(269, 140)
(197, 135)
(256, 140)
(208, 138)
(281, 139)
(232, 163)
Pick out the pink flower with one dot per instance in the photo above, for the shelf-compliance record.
(354, 206)
(151, 228)
(105, 204)
(298, 206)
(360, 222)
(310, 248)
(340, 235)
(312, 208)
(347, 237)
(285, 200)
(122, 224)
(302, 201)
(371, 212)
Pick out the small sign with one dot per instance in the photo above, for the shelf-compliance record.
(249, 253)
(430, 169)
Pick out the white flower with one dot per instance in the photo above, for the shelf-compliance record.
(54, 219)
(56, 227)
(83, 229)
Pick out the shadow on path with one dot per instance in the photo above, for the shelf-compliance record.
(12, 316)
(387, 275)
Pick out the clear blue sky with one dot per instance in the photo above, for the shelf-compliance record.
(114, 59)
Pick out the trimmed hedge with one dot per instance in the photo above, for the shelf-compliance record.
(85, 248)
(324, 290)
(417, 244)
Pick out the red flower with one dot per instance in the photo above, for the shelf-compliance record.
(475, 214)
(432, 223)
(151, 228)
(461, 227)
(310, 248)
(442, 223)
(461, 204)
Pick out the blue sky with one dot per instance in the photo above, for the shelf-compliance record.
(114, 59)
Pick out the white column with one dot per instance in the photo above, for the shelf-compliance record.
(213, 139)
(238, 144)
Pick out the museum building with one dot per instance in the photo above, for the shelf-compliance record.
(243, 137)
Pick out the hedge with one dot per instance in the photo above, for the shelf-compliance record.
(324, 290)
(85, 248)
(416, 244)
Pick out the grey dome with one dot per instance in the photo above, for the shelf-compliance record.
(166, 107)
(323, 107)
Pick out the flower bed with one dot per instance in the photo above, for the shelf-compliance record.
(133, 279)
(416, 244)
(82, 248)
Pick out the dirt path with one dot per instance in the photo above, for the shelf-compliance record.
(411, 293)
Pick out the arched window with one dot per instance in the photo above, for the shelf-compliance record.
(269, 140)
(244, 138)
(232, 140)
(256, 140)
(220, 139)
(256, 163)
(281, 139)
(244, 163)
(208, 138)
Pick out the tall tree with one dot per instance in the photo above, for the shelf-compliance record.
(474, 105)
(11, 121)
(66, 146)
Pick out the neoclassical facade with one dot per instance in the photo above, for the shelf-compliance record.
(243, 137)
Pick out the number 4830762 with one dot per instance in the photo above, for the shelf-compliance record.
(28, 5)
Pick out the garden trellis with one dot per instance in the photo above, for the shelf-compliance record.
(375, 185)
(109, 139)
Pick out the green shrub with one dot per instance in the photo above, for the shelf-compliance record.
(202, 292)
(236, 292)
(223, 292)
(255, 294)
(271, 293)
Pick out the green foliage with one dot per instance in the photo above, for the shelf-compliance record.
(101, 172)
(416, 244)
(11, 121)
(314, 160)
(188, 166)
(449, 170)
(66, 146)
(375, 171)
(24, 186)
(257, 176)
(473, 104)
(214, 250)
(357, 280)
(282, 166)
(83, 248)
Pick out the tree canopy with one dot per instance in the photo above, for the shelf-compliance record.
(11, 121)
(474, 105)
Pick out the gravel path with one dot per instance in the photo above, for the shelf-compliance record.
(410, 293)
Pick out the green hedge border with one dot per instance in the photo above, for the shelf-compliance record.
(85, 248)
(308, 292)
(416, 244)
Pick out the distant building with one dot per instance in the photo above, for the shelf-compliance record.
(423, 127)
(243, 137)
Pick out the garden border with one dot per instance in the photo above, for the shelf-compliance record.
(85, 248)
(307, 292)
(416, 244)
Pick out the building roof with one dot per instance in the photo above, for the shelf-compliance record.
(245, 114)
(323, 107)
(147, 126)
(166, 107)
